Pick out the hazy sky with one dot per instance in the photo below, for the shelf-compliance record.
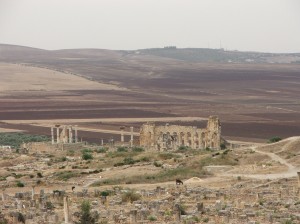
(254, 25)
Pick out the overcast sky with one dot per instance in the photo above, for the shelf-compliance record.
(247, 25)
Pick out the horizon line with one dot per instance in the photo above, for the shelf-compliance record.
(165, 47)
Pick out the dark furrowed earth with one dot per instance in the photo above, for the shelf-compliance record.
(253, 101)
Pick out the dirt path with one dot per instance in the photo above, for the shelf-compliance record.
(291, 172)
(276, 158)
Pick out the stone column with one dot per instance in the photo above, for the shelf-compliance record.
(65, 134)
(3, 196)
(52, 135)
(122, 134)
(194, 138)
(133, 214)
(32, 193)
(57, 134)
(102, 142)
(19, 204)
(70, 135)
(131, 136)
(186, 139)
(76, 134)
(218, 205)
(66, 210)
(152, 140)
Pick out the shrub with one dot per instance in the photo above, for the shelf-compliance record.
(85, 214)
(38, 182)
(49, 205)
(39, 175)
(145, 159)
(205, 219)
(274, 139)
(152, 218)
(261, 202)
(225, 152)
(157, 164)
(166, 156)
(66, 175)
(223, 146)
(130, 196)
(86, 151)
(104, 193)
(183, 148)
(126, 161)
(122, 149)
(129, 161)
(87, 156)
(20, 184)
(138, 149)
(101, 150)
(21, 217)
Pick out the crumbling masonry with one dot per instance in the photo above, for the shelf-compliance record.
(170, 137)
(64, 134)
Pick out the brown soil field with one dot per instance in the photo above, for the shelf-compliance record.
(253, 101)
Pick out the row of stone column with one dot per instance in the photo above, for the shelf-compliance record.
(56, 139)
(131, 135)
(66, 138)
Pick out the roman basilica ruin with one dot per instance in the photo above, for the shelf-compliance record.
(168, 137)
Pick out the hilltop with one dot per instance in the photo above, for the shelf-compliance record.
(12, 52)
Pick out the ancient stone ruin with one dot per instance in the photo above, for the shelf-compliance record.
(64, 134)
(170, 137)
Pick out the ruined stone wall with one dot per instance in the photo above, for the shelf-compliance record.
(46, 147)
(168, 137)
(66, 134)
